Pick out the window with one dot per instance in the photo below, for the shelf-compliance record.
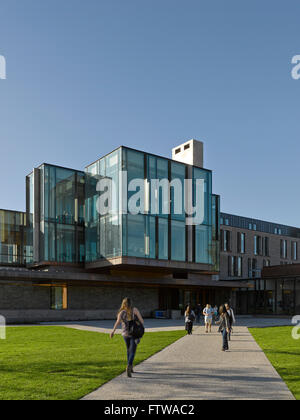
(135, 235)
(202, 245)
(295, 251)
(187, 146)
(283, 248)
(59, 298)
(177, 151)
(226, 240)
(235, 266)
(178, 240)
(255, 271)
(249, 268)
(231, 264)
(255, 246)
(241, 239)
(163, 242)
(266, 247)
(177, 200)
(150, 238)
(239, 267)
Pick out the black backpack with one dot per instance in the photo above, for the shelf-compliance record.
(191, 317)
(135, 328)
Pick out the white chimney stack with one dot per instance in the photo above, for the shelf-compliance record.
(190, 152)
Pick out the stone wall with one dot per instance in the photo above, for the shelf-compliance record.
(29, 304)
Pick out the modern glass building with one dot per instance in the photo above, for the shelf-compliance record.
(161, 236)
(71, 260)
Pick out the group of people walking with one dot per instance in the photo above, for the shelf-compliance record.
(224, 317)
(133, 325)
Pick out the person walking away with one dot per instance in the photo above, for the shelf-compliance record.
(198, 312)
(231, 319)
(224, 326)
(208, 314)
(189, 319)
(126, 314)
(215, 309)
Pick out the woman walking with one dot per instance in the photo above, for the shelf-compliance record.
(224, 327)
(189, 319)
(231, 319)
(208, 316)
(126, 314)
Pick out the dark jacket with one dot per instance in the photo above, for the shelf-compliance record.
(224, 322)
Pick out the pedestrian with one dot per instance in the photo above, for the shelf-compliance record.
(198, 312)
(224, 326)
(231, 319)
(189, 319)
(128, 315)
(208, 314)
(215, 309)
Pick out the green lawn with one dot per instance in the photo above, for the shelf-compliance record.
(61, 363)
(283, 352)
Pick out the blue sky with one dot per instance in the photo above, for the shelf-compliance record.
(84, 77)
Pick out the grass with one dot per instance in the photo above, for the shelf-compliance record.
(283, 352)
(57, 363)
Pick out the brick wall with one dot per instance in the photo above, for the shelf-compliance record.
(274, 250)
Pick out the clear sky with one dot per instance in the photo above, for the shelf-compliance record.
(84, 77)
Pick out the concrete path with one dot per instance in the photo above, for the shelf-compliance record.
(195, 368)
(156, 325)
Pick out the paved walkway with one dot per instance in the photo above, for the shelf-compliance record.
(195, 368)
(156, 325)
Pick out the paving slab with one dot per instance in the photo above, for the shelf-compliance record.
(195, 368)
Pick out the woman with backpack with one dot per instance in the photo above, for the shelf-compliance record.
(189, 319)
(132, 330)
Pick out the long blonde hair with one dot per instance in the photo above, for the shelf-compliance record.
(127, 306)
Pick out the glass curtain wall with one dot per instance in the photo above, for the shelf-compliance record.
(204, 249)
(14, 249)
(61, 214)
(216, 233)
(103, 231)
(157, 229)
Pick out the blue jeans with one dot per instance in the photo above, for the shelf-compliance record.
(131, 349)
(225, 339)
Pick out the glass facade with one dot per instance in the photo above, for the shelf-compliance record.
(146, 216)
(148, 219)
(15, 249)
(103, 234)
(60, 206)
